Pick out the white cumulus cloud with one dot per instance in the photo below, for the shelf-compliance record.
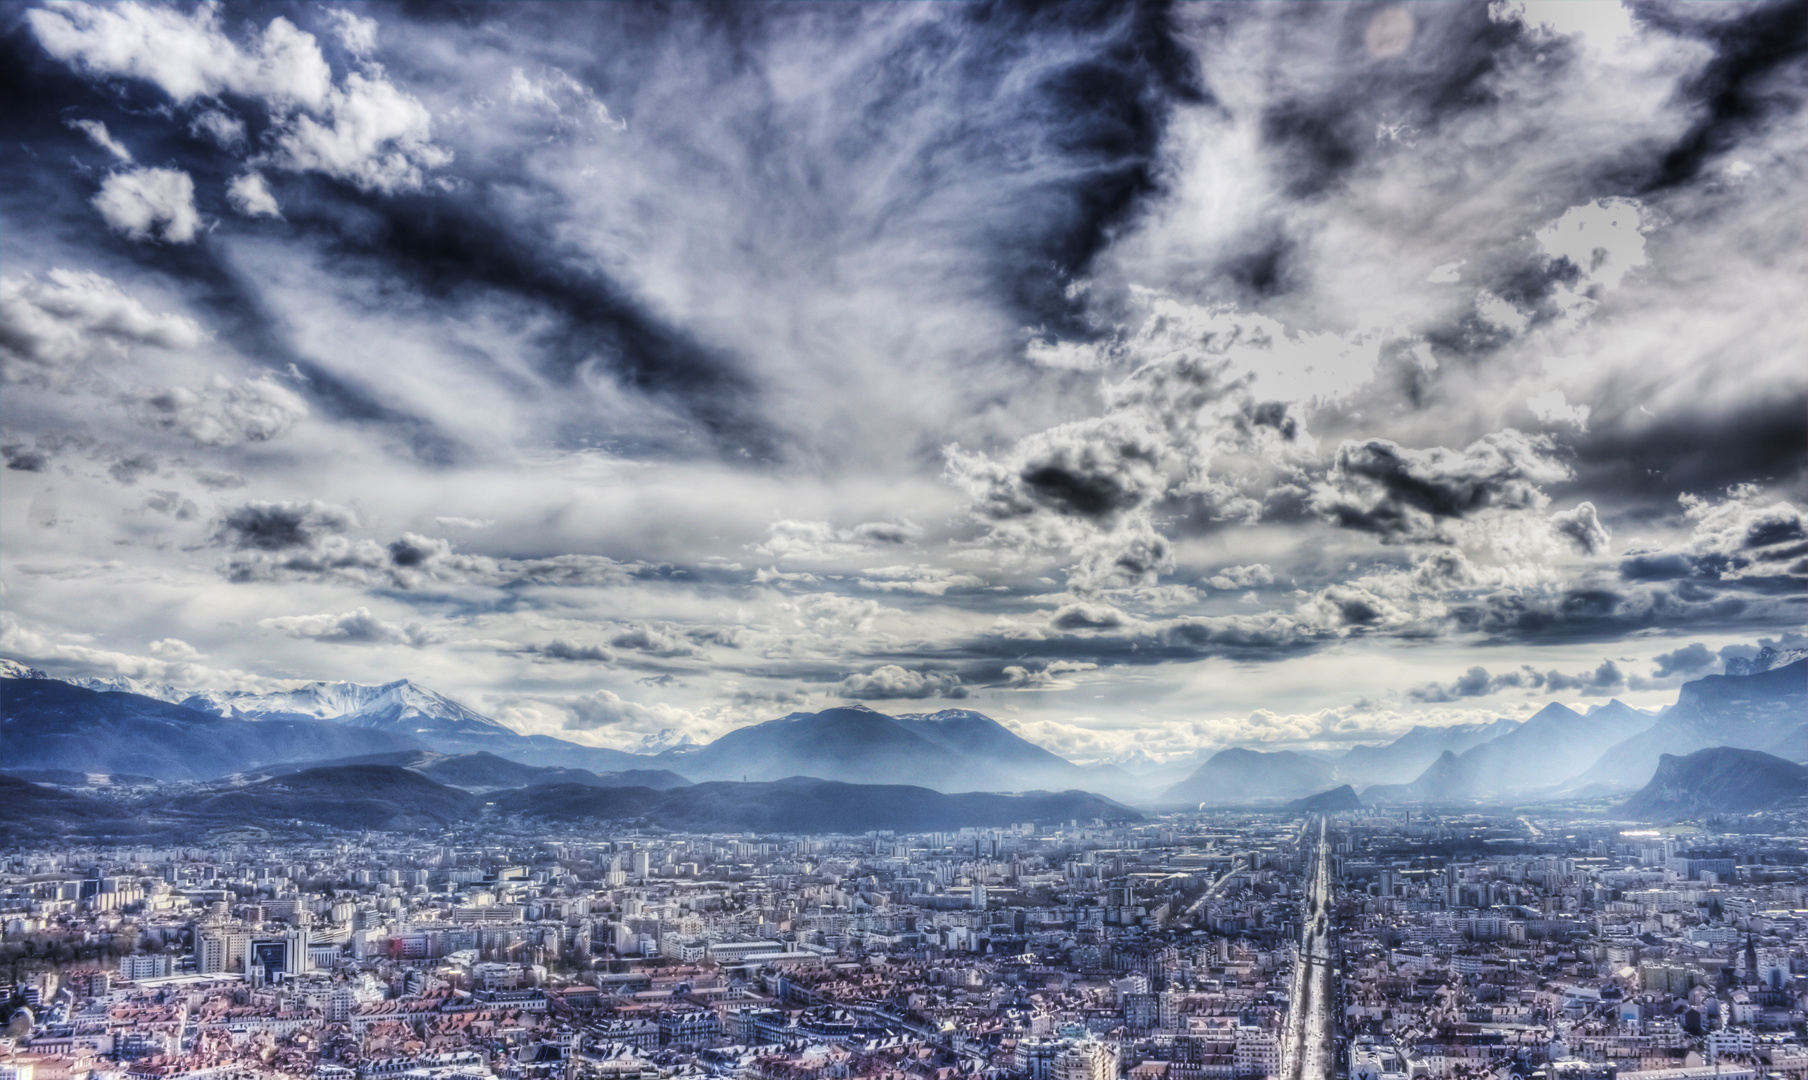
(148, 204)
(250, 196)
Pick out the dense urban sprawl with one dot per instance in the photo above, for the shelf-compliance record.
(1458, 946)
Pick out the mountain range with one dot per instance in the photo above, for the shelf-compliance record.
(124, 727)
(388, 797)
(479, 772)
(1558, 752)
(1720, 780)
(47, 724)
(951, 750)
(404, 709)
(806, 804)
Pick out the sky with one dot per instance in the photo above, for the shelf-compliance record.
(1150, 378)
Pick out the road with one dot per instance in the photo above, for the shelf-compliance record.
(1199, 904)
(1309, 1047)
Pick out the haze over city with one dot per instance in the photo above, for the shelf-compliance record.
(1150, 379)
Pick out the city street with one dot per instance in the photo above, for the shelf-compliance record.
(1309, 1051)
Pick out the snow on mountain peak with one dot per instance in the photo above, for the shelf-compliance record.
(665, 739)
(12, 669)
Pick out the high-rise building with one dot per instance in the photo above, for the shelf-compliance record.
(221, 949)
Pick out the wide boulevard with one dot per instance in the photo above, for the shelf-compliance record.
(1310, 1051)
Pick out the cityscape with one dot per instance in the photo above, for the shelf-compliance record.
(907, 540)
(363, 919)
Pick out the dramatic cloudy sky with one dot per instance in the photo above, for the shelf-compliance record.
(1151, 378)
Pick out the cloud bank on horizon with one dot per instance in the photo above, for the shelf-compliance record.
(1152, 378)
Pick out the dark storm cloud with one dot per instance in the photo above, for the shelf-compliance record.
(1606, 679)
(1689, 660)
(1755, 78)
(1582, 527)
(1628, 452)
(1380, 487)
(280, 526)
(23, 458)
(1601, 613)
(1477, 682)
(1102, 114)
(1327, 130)
(453, 248)
(1740, 543)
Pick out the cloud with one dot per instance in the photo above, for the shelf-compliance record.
(556, 92)
(561, 649)
(128, 468)
(172, 504)
(925, 580)
(97, 131)
(251, 197)
(357, 34)
(1048, 677)
(1601, 23)
(221, 414)
(1380, 487)
(357, 627)
(174, 649)
(605, 709)
(373, 135)
(75, 659)
(150, 204)
(281, 526)
(305, 540)
(23, 458)
(1182, 426)
(1553, 407)
(1087, 616)
(49, 326)
(221, 128)
(187, 55)
(363, 129)
(1692, 659)
(1605, 679)
(1477, 682)
(1582, 528)
(1241, 577)
(816, 541)
(1604, 239)
(653, 640)
(1742, 536)
(890, 681)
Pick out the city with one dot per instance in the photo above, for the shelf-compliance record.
(1368, 945)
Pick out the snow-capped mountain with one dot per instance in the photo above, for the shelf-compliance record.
(401, 707)
(666, 739)
(119, 684)
(12, 669)
(402, 713)
(1769, 658)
